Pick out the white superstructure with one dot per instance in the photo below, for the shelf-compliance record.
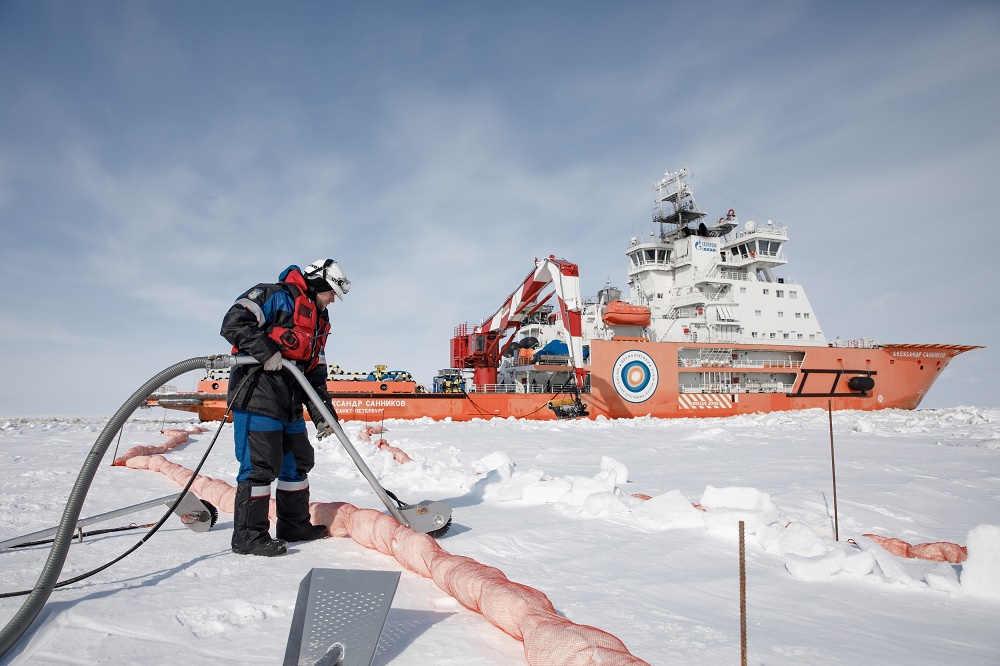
(703, 283)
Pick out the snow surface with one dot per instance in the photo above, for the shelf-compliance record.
(551, 504)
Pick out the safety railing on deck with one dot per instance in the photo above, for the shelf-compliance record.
(759, 387)
(521, 388)
(861, 343)
(737, 363)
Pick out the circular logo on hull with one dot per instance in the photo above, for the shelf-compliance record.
(635, 376)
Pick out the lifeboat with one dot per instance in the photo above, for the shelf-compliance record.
(618, 313)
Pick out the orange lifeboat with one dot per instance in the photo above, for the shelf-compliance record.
(617, 313)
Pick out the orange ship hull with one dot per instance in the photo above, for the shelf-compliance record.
(631, 378)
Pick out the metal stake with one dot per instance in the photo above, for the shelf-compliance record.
(743, 600)
(833, 468)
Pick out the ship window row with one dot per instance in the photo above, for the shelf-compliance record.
(649, 256)
(784, 336)
(754, 248)
(781, 313)
(780, 293)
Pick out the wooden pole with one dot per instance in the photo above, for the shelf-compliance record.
(743, 601)
(833, 468)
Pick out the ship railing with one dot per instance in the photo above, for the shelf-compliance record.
(712, 334)
(738, 363)
(772, 363)
(689, 300)
(740, 260)
(758, 387)
(773, 229)
(495, 388)
(860, 343)
(520, 388)
(555, 360)
(729, 275)
(704, 363)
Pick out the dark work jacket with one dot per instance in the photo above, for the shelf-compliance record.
(246, 326)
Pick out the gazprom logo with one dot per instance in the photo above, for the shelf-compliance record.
(706, 246)
(635, 376)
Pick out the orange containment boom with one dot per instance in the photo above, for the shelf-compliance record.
(176, 438)
(937, 551)
(520, 611)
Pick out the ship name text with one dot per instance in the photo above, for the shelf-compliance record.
(360, 405)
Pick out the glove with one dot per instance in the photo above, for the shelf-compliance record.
(323, 429)
(273, 363)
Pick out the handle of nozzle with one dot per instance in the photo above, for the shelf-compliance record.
(224, 361)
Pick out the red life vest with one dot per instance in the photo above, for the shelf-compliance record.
(306, 339)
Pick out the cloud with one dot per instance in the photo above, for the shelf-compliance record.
(171, 164)
(16, 331)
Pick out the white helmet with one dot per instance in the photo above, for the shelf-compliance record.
(326, 274)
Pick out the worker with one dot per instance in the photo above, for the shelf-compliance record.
(272, 322)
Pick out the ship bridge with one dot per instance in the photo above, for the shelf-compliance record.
(714, 283)
(756, 244)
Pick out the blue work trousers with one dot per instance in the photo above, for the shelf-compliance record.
(269, 449)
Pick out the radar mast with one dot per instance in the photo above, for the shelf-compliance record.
(674, 207)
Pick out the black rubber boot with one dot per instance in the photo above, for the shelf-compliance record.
(293, 517)
(251, 524)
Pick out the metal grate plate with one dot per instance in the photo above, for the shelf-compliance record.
(342, 606)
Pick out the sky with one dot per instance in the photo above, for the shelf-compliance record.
(157, 159)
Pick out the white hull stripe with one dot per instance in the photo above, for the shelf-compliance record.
(704, 401)
(291, 486)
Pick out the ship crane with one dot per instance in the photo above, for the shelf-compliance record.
(481, 350)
